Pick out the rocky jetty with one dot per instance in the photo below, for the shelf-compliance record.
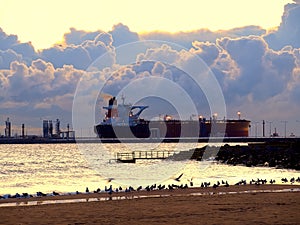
(278, 154)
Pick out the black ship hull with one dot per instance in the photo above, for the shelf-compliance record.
(123, 131)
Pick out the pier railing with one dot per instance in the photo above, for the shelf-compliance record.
(131, 157)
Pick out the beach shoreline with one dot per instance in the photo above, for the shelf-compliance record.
(267, 204)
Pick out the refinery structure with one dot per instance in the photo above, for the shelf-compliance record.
(50, 131)
(58, 133)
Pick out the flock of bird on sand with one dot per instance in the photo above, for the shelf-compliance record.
(153, 187)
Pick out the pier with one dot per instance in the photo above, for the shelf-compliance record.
(131, 157)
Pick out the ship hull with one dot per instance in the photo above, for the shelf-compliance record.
(122, 131)
(176, 129)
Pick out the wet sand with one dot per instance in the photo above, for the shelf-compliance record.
(213, 206)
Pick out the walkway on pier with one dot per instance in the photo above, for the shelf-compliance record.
(131, 157)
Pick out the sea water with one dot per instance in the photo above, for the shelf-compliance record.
(73, 167)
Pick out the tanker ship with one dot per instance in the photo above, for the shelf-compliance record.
(123, 121)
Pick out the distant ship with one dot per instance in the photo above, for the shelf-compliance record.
(123, 121)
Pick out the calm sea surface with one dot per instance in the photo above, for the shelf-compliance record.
(73, 167)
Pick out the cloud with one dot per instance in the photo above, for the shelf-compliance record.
(38, 82)
(121, 35)
(77, 37)
(207, 51)
(80, 50)
(9, 43)
(186, 39)
(163, 53)
(263, 72)
(26, 50)
(247, 52)
(288, 32)
(7, 57)
(81, 56)
(71, 55)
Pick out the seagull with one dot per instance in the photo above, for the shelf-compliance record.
(178, 178)
(55, 193)
(191, 182)
(110, 179)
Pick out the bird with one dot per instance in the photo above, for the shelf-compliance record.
(109, 190)
(25, 195)
(215, 186)
(109, 179)
(40, 194)
(97, 191)
(161, 187)
(191, 182)
(139, 188)
(292, 180)
(272, 181)
(170, 187)
(178, 178)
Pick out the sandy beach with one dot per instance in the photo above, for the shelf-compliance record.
(247, 204)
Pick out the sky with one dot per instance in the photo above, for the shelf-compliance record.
(252, 49)
(44, 22)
